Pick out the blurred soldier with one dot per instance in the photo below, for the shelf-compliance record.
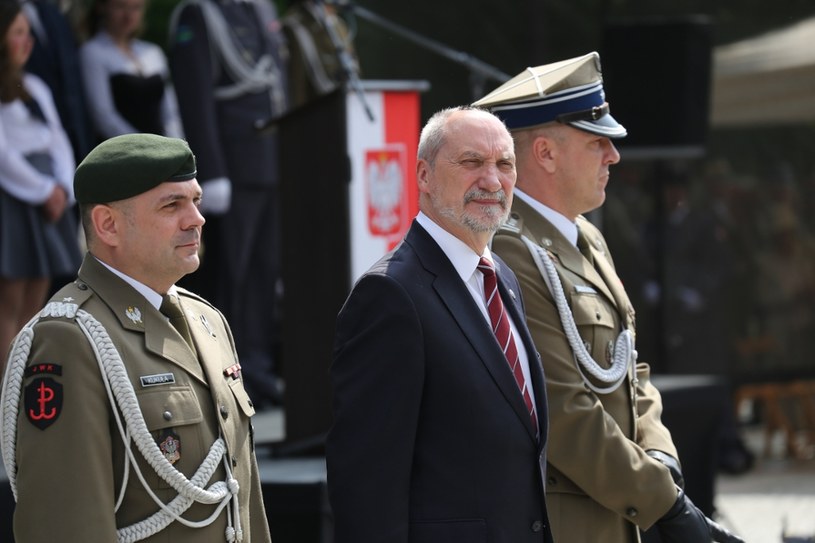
(322, 55)
(228, 61)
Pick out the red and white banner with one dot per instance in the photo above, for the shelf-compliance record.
(382, 151)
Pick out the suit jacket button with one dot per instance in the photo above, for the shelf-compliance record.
(537, 526)
(632, 512)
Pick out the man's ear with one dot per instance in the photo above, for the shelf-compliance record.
(545, 151)
(423, 170)
(106, 222)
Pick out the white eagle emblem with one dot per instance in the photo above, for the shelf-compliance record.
(385, 181)
(133, 314)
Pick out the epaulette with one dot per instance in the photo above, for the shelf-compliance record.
(189, 294)
(76, 292)
(513, 226)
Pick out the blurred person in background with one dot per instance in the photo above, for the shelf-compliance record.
(55, 60)
(38, 236)
(228, 60)
(127, 80)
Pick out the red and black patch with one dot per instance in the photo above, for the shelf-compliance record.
(43, 402)
(43, 369)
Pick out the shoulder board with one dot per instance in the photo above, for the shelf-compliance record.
(586, 225)
(76, 292)
(512, 226)
(188, 294)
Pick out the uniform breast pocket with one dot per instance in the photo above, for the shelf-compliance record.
(169, 406)
(590, 309)
(175, 420)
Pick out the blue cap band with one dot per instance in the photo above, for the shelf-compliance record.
(549, 108)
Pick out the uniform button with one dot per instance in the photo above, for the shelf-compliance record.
(632, 512)
(167, 415)
(234, 463)
(537, 526)
(551, 481)
(597, 315)
(82, 286)
(224, 411)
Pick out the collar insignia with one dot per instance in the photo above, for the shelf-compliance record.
(133, 314)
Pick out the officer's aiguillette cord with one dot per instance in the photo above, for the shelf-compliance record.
(624, 353)
(120, 393)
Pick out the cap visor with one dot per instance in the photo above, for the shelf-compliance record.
(604, 126)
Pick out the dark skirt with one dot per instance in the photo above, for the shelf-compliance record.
(31, 247)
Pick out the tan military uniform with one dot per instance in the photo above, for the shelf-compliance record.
(70, 458)
(600, 481)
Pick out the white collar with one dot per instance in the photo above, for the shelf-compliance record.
(461, 255)
(564, 225)
(152, 296)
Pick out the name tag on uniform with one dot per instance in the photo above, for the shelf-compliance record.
(157, 379)
(584, 289)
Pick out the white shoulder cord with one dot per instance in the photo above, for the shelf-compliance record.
(120, 393)
(624, 352)
(247, 79)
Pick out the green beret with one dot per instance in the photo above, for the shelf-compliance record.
(128, 165)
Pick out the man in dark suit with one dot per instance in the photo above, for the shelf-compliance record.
(440, 417)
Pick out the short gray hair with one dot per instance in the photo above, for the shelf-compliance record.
(433, 134)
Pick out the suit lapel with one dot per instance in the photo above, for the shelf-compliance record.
(461, 306)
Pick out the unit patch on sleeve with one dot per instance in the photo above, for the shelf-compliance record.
(43, 402)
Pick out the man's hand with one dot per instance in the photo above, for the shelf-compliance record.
(685, 523)
(54, 206)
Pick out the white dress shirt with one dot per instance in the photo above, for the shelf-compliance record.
(465, 261)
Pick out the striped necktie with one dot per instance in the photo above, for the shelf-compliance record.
(503, 333)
